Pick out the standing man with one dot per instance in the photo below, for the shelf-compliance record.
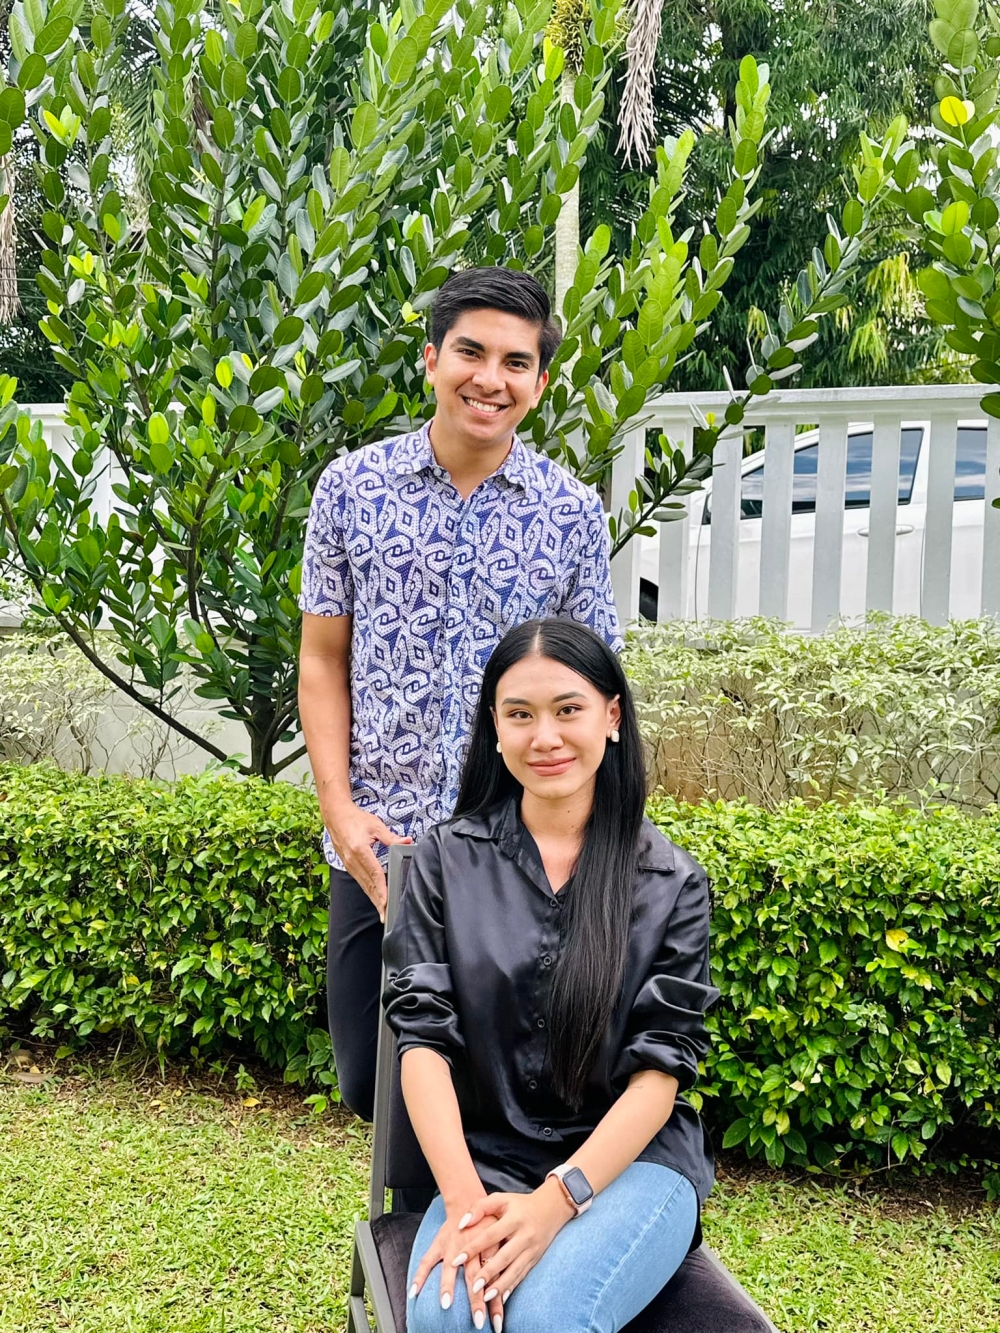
(421, 551)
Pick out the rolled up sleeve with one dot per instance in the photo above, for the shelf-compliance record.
(666, 1026)
(419, 998)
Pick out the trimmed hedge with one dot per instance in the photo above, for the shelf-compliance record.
(857, 949)
(191, 914)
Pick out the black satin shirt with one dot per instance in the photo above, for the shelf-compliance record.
(470, 962)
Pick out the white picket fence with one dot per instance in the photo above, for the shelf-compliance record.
(919, 550)
(923, 552)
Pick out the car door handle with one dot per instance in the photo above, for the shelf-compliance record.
(903, 528)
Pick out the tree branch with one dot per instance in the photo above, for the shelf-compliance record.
(96, 661)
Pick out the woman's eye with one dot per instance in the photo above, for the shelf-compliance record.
(569, 708)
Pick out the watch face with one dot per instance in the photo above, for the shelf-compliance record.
(577, 1186)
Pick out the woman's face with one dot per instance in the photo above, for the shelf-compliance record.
(553, 726)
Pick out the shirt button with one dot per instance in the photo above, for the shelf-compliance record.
(547, 1132)
(546, 960)
(540, 1023)
(532, 1083)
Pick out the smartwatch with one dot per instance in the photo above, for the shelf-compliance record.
(575, 1185)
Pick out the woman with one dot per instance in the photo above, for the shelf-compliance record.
(548, 976)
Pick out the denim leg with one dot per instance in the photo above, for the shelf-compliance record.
(605, 1267)
(424, 1314)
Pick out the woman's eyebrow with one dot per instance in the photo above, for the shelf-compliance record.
(560, 698)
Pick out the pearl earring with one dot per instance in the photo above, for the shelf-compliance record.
(499, 748)
(615, 738)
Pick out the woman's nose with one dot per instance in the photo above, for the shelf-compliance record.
(547, 736)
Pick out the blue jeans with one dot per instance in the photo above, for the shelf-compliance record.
(601, 1270)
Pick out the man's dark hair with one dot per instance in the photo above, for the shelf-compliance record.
(496, 288)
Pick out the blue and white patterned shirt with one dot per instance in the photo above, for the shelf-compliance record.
(433, 583)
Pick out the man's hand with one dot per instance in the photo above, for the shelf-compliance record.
(354, 832)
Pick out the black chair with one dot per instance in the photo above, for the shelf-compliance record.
(701, 1297)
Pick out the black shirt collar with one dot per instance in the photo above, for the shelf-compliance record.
(501, 824)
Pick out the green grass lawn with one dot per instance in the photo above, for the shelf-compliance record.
(132, 1206)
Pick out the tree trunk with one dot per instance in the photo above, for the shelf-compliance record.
(9, 303)
(567, 232)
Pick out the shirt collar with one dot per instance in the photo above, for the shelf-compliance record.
(412, 453)
(502, 825)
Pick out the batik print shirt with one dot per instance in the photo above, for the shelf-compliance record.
(433, 582)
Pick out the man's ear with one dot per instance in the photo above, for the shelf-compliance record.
(430, 362)
(540, 386)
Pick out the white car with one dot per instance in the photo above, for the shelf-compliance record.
(967, 537)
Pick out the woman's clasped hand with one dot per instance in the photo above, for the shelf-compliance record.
(497, 1242)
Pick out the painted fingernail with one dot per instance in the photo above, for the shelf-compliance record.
(465, 1221)
(479, 1318)
(497, 1323)
(490, 1294)
(459, 1260)
(446, 1301)
(412, 1292)
(478, 1286)
(505, 1297)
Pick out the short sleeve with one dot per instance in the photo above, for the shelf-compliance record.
(327, 583)
(666, 1026)
(588, 596)
(419, 999)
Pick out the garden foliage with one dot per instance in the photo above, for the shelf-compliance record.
(748, 709)
(319, 168)
(955, 209)
(857, 949)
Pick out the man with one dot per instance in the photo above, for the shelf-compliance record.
(421, 551)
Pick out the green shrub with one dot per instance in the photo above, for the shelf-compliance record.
(857, 949)
(191, 914)
(749, 709)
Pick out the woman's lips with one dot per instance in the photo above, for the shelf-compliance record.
(553, 769)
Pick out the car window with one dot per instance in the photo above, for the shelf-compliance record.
(857, 493)
(970, 463)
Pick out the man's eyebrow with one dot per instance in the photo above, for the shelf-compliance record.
(462, 341)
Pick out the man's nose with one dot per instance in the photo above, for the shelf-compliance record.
(489, 377)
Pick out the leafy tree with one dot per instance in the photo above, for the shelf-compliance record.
(955, 209)
(316, 174)
(839, 67)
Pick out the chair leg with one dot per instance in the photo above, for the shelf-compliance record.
(357, 1315)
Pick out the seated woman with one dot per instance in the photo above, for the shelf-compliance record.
(548, 977)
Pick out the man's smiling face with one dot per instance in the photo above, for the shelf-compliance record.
(485, 376)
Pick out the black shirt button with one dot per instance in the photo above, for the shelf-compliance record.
(547, 1132)
(540, 1023)
(546, 960)
(532, 1083)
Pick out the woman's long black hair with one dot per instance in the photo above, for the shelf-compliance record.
(588, 978)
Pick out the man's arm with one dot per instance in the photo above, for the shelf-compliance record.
(325, 710)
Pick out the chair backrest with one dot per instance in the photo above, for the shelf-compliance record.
(397, 1162)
